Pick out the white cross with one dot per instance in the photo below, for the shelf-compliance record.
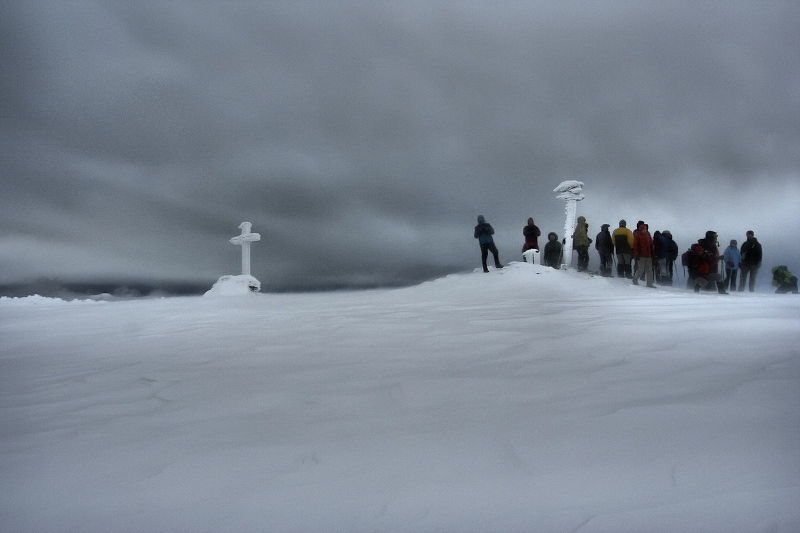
(244, 241)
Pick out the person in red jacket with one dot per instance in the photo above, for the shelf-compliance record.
(643, 253)
(531, 232)
(705, 263)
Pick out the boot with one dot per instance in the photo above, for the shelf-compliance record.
(721, 288)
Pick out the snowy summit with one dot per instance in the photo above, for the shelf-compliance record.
(525, 399)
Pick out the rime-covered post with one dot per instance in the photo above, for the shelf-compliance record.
(571, 192)
(244, 241)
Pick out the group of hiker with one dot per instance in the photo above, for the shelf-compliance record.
(641, 256)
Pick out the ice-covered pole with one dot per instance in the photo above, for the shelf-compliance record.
(571, 192)
(244, 241)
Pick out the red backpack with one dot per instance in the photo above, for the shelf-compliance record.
(696, 260)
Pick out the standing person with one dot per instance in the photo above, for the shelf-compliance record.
(635, 260)
(751, 260)
(673, 251)
(732, 259)
(704, 263)
(552, 251)
(623, 245)
(581, 241)
(531, 232)
(605, 247)
(661, 257)
(484, 232)
(643, 253)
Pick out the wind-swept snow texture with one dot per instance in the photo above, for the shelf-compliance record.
(526, 399)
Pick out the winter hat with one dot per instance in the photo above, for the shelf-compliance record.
(622, 223)
(640, 223)
(711, 235)
(480, 219)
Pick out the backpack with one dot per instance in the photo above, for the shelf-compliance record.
(781, 276)
(673, 250)
(695, 259)
(687, 259)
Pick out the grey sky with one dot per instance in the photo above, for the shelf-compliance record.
(362, 139)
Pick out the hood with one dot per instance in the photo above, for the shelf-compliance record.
(481, 219)
(530, 222)
(605, 227)
(552, 236)
(581, 219)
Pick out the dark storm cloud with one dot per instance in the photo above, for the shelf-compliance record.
(362, 138)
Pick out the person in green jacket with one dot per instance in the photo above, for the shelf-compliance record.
(581, 241)
(783, 279)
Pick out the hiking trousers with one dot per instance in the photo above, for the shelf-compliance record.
(485, 249)
(748, 269)
(624, 265)
(730, 279)
(644, 266)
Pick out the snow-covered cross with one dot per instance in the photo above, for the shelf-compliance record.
(570, 191)
(244, 241)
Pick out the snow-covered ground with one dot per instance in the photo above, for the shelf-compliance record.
(525, 399)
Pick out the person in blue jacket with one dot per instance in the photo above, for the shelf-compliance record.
(732, 258)
(484, 232)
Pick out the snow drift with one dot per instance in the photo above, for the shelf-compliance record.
(526, 399)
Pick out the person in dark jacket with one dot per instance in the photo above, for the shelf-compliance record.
(751, 261)
(552, 251)
(484, 232)
(605, 248)
(531, 233)
(673, 253)
(659, 258)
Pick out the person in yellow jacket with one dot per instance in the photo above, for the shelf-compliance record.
(622, 238)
